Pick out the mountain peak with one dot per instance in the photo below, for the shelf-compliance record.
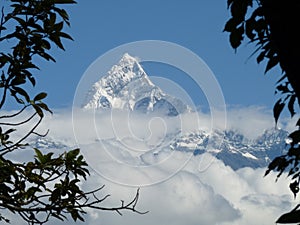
(127, 69)
(128, 59)
(127, 86)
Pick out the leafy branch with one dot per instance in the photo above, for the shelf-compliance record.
(48, 186)
(272, 25)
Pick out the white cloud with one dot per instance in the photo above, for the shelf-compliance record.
(200, 192)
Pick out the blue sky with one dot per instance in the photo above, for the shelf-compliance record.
(101, 25)
(98, 26)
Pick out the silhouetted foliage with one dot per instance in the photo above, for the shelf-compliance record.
(47, 186)
(272, 25)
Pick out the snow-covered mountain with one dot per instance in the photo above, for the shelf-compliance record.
(233, 148)
(127, 86)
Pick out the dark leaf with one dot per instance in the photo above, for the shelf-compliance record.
(291, 217)
(260, 57)
(277, 109)
(295, 136)
(64, 1)
(9, 131)
(38, 110)
(281, 79)
(249, 25)
(277, 162)
(56, 39)
(63, 14)
(230, 25)
(294, 187)
(52, 19)
(64, 35)
(236, 37)
(238, 10)
(59, 26)
(271, 63)
(39, 155)
(32, 80)
(296, 175)
(46, 44)
(283, 88)
(229, 2)
(40, 96)
(44, 106)
(18, 80)
(22, 92)
(291, 105)
(20, 21)
(298, 123)
(72, 154)
(46, 56)
(258, 12)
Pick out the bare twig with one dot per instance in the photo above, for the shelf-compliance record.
(15, 114)
(19, 123)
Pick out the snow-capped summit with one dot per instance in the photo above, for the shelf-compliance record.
(127, 86)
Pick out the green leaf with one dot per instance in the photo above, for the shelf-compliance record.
(277, 109)
(72, 154)
(39, 155)
(44, 106)
(38, 110)
(40, 96)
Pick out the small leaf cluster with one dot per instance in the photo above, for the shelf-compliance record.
(49, 185)
(272, 25)
(254, 27)
(37, 25)
(25, 186)
(289, 162)
(248, 19)
(28, 31)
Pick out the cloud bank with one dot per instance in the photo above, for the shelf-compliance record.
(176, 188)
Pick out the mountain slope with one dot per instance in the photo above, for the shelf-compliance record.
(127, 86)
